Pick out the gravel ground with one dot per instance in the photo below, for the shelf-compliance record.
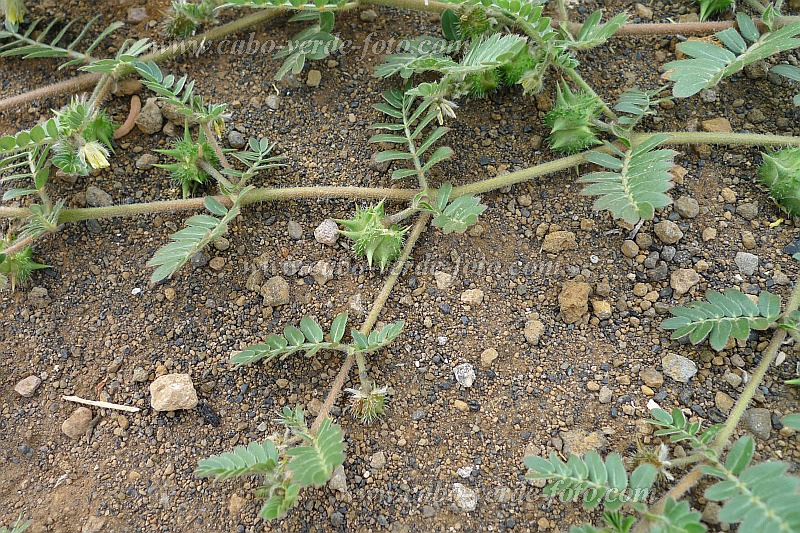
(556, 369)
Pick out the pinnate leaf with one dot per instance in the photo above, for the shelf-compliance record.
(255, 458)
(723, 316)
(636, 183)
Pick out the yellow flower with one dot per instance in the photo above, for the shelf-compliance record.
(95, 154)
(14, 10)
(219, 126)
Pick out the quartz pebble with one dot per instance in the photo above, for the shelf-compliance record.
(465, 374)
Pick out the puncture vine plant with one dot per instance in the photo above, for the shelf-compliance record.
(485, 46)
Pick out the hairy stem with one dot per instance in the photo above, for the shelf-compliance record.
(400, 216)
(519, 176)
(482, 186)
(377, 306)
(732, 139)
(20, 244)
(74, 85)
(562, 14)
(212, 140)
(256, 195)
(417, 5)
(101, 91)
(722, 438)
(680, 462)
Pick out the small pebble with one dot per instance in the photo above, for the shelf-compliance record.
(273, 101)
(464, 497)
(465, 374)
(146, 161)
(27, 387)
(78, 423)
(295, 230)
(217, 263)
(314, 78)
(236, 140)
(327, 232)
(368, 15)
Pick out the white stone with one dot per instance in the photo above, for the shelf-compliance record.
(465, 374)
(327, 232)
(173, 392)
(464, 497)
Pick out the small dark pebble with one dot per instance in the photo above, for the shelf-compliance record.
(208, 414)
(792, 248)
(200, 259)
(685, 396)
(94, 226)
(716, 415)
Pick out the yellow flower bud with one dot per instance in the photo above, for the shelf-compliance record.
(14, 10)
(95, 154)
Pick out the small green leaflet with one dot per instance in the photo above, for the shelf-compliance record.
(594, 34)
(255, 458)
(462, 213)
(723, 316)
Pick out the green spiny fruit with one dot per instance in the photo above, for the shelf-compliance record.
(372, 238)
(16, 267)
(189, 153)
(479, 84)
(570, 121)
(179, 25)
(184, 17)
(472, 21)
(780, 171)
(513, 71)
